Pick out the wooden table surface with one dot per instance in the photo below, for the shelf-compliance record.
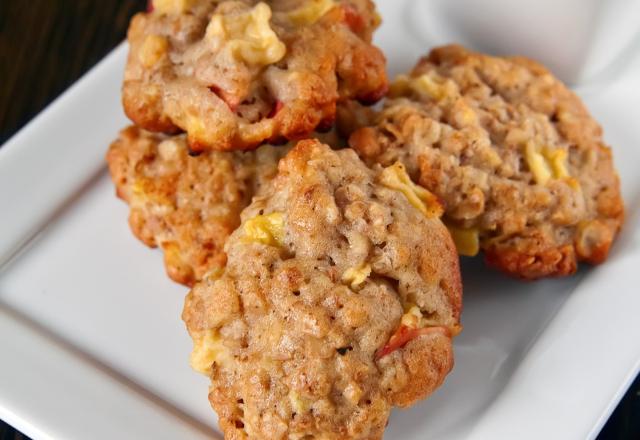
(45, 45)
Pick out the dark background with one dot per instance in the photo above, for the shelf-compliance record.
(45, 45)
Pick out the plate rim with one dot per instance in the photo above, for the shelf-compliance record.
(18, 149)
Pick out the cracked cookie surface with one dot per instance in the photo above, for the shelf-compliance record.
(518, 162)
(186, 205)
(236, 74)
(339, 301)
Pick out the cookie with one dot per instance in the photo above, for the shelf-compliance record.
(339, 300)
(186, 205)
(235, 74)
(515, 157)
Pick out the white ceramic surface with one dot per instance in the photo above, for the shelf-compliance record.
(93, 346)
(582, 41)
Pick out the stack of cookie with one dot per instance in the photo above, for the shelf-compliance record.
(325, 279)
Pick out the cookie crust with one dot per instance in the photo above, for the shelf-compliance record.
(186, 205)
(300, 335)
(513, 154)
(192, 67)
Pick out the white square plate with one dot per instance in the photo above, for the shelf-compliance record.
(92, 344)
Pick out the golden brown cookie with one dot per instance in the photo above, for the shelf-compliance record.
(515, 157)
(339, 300)
(235, 74)
(186, 205)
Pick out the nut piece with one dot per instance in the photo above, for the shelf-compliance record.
(173, 7)
(429, 86)
(266, 229)
(310, 12)
(248, 35)
(153, 49)
(467, 240)
(208, 349)
(396, 177)
(354, 276)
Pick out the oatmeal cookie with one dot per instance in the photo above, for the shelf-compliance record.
(234, 74)
(339, 300)
(186, 205)
(517, 160)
